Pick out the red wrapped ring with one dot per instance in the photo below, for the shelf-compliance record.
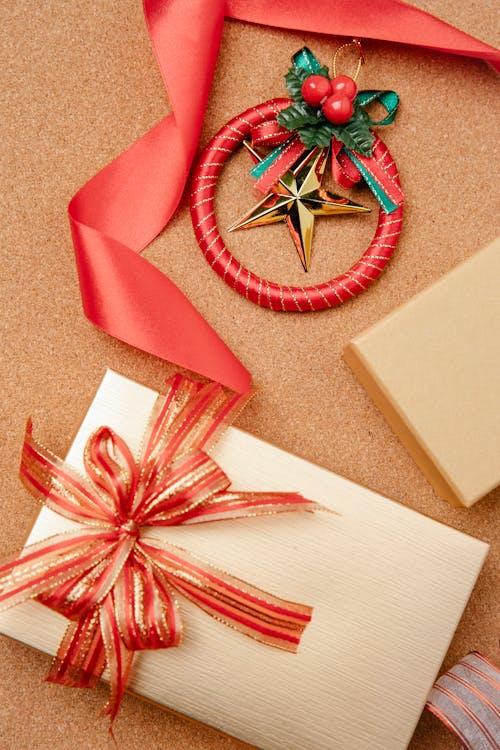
(261, 291)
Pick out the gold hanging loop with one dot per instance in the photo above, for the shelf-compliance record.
(361, 58)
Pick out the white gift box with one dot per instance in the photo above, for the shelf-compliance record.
(388, 586)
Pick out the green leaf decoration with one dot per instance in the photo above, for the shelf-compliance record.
(310, 123)
(356, 133)
(319, 134)
(297, 115)
(296, 77)
(294, 80)
(323, 71)
(361, 113)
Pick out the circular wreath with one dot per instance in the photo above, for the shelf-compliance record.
(261, 291)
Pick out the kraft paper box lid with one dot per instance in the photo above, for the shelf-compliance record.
(387, 584)
(433, 369)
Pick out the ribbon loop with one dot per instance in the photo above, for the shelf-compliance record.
(59, 486)
(307, 60)
(145, 608)
(192, 480)
(111, 466)
(344, 171)
(388, 99)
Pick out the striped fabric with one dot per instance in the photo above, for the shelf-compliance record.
(467, 700)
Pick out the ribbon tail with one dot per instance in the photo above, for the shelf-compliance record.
(115, 215)
(231, 505)
(81, 658)
(239, 605)
(119, 658)
(377, 175)
(129, 298)
(390, 20)
(271, 169)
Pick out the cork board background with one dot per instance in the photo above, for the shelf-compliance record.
(79, 84)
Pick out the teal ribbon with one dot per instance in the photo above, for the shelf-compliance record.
(382, 197)
(307, 60)
(261, 167)
(388, 99)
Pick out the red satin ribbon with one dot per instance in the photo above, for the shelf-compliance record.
(120, 210)
(344, 171)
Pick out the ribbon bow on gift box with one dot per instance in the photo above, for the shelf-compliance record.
(111, 578)
(300, 127)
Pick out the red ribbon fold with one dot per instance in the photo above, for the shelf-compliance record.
(119, 212)
(111, 577)
(283, 162)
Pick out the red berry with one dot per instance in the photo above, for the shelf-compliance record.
(338, 109)
(315, 90)
(344, 85)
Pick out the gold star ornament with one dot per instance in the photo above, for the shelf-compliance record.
(296, 199)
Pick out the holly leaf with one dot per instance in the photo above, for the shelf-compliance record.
(296, 77)
(297, 115)
(323, 71)
(361, 113)
(319, 134)
(356, 135)
(312, 126)
(294, 80)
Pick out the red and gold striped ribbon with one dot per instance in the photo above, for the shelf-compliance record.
(115, 582)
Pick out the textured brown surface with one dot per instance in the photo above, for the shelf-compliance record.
(80, 84)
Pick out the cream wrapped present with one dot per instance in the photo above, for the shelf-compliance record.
(387, 586)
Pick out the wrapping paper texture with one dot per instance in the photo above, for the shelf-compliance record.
(81, 85)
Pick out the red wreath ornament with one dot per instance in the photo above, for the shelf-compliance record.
(269, 124)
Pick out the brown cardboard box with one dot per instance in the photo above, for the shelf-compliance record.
(433, 369)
